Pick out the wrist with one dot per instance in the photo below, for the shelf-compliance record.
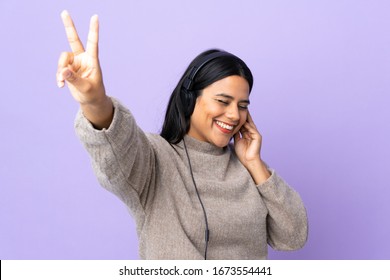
(258, 171)
(99, 113)
(96, 103)
(95, 97)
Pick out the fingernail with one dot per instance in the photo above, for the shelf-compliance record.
(67, 74)
(64, 13)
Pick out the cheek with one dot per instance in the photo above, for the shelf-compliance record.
(215, 109)
(243, 118)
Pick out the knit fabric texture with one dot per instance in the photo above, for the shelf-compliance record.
(152, 177)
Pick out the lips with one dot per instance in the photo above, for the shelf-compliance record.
(224, 127)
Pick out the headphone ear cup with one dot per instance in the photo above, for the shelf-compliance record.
(189, 101)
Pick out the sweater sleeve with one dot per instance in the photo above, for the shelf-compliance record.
(287, 225)
(122, 156)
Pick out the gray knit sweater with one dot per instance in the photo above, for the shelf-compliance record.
(152, 177)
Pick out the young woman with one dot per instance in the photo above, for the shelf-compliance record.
(192, 193)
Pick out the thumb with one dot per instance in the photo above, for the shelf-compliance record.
(70, 76)
(74, 79)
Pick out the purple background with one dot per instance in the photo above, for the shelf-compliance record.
(321, 100)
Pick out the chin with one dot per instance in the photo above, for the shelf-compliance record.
(221, 143)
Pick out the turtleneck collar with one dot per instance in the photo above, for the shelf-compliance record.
(201, 146)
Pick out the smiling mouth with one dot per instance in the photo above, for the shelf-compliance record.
(224, 126)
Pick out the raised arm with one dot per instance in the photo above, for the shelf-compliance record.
(80, 69)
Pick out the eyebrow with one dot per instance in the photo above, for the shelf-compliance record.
(231, 97)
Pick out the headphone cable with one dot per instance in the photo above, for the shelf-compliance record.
(207, 232)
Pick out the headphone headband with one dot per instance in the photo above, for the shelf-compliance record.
(195, 69)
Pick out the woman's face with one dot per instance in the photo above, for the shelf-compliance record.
(220, 111)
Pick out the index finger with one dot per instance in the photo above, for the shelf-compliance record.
(71, 33)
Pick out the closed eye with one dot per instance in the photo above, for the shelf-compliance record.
(223, 101)
(240, 106)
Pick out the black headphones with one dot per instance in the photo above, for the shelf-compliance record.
(188, 94)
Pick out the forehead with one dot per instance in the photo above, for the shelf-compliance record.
(234, 86)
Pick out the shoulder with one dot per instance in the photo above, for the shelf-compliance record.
(159, 144)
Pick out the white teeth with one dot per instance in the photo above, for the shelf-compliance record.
(225, 126)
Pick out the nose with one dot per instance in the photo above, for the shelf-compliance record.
(233, 113)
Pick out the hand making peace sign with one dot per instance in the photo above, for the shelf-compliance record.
(80, 68)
